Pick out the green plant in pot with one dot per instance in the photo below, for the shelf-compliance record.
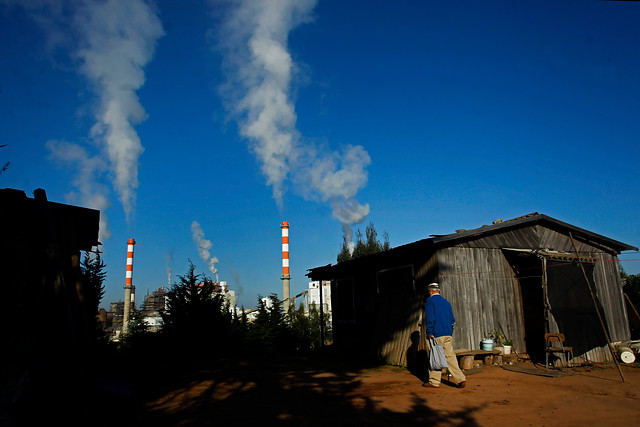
(497, 337)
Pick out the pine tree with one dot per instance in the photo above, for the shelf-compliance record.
(270, 330)
(345, 253)
(93, 275)
(194, 317)
(386, 245)
(365, 245)
(372, 245)
(360, 248)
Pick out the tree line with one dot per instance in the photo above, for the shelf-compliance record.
(364, 245)
(197, 320)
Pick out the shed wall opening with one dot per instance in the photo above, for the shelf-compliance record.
(528, 269)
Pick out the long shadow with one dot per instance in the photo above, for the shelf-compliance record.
(417, 360)
(280, 390)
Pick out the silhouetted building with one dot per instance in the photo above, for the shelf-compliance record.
(45, 363)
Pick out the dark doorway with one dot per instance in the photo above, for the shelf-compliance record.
(572, 306)
(528, 270)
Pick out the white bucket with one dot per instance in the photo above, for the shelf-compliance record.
(507, 349)
(486, 344)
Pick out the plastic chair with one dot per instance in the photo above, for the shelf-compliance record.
(555, 344)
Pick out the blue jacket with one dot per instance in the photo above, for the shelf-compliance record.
(439, 315)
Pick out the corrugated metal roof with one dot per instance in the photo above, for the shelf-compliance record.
(532, 218)
(499, 226)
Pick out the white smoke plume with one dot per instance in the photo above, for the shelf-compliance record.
(169, 260)
(260, 69)
(87, 169)
(236, 279)
(112, 40)
(117, 39)
(203, 247)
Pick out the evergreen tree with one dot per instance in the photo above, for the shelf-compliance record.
(301, 328)
(365, 245)
(345, 253)
(93, 274)
(194, 318)
(360, 248)
(372, 245)
(270, 330)
(318, 334)
(386, 245)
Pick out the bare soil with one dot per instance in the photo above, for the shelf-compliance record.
(328, 391)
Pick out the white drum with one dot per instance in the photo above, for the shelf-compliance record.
(626, 355)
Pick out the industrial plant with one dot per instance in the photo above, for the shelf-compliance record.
(115, 322)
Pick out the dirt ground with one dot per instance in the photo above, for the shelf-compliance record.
(325, 391)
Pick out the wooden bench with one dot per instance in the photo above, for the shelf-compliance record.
(466, 357)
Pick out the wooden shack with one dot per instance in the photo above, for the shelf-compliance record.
(521, 277)
(48, 318)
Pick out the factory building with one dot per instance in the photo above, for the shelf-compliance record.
(316, 299)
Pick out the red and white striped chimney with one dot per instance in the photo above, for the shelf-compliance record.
(128, 285)
(285, 248)
(285, 264)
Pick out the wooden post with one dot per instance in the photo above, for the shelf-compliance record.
(632, 306)
(466, 362)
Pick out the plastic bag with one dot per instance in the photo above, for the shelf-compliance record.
(437, 359)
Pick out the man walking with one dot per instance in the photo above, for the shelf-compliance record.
(440, 321)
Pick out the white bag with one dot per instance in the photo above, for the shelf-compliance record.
(437, 359)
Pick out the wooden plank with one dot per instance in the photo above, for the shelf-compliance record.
(465, 352)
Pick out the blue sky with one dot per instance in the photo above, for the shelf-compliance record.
(422, 117)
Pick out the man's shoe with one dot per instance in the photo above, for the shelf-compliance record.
(462, 384)
(427, 385)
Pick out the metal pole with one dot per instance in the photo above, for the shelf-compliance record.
(595, 304)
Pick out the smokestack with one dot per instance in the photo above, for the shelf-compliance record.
(128, 296)
(285, 264)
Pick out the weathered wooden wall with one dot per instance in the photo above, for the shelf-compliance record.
(397, 316)
(484, 293)
(609, 291)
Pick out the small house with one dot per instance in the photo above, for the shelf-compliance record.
(522, 277)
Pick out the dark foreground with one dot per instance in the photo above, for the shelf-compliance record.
(324, 390)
